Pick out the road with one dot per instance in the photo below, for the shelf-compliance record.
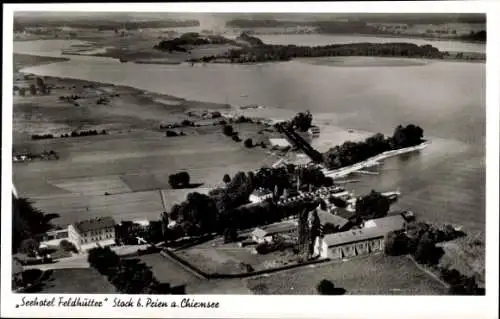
(80, 260)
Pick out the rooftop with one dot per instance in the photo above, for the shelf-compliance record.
(94, 224)
(389, 223)
(261, 192)
(281, 227)
(259, 232)
(344, 213)
(354, 235)
(326, 217)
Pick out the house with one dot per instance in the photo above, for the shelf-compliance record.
(261, 236)
(357, 241)
(280, 142)
(270, 232)
(54, 238)
(91, 233)
(260, 195)
(314, 131)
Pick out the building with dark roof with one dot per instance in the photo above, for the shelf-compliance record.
(326, 217)
(91, 233)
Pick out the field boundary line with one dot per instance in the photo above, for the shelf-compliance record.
(428, 272)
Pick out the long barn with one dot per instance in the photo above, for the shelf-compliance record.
(358, 241)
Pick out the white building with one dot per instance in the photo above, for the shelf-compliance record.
(91, 233)
(358, 241)
(261, 236)
(54, 238)
(314, 131)
(260, 195)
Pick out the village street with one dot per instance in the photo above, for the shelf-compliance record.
(80, 260)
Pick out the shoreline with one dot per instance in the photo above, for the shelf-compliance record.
(155, 96)
(373, 161)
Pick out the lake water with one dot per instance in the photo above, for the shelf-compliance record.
(445, 182)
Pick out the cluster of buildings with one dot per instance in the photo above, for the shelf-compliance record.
(326, 194)
(339, 237)
(85, 235)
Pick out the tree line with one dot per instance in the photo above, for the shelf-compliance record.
(34, 88)
(479, 36)
(350, 153)
(101, 24)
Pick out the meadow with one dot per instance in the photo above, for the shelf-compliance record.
(77, 281)
(371, 275)
(166, 271)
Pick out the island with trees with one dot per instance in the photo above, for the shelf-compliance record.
(254, 50)
(350, 153)
(189, 40)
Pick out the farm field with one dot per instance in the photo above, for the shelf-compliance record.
(219, 287)
(77, 281)
(130, 168)
(166, 271)
(372, 275)
(228, 258)
(137, 152)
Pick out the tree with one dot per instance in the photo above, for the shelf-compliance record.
(28, 221)
(29, 247)
(133, 277)
(32, 89)
(304, 231)
(228, 130)
(179, 180)
(302, 121)
(68, 246)
(236, 138)
(104, 260)
(226, 179)
(426, 252)
(373, 205)
(22, 91)
(230, 234)
(325, 287)
(41, 85)
(396, 244)
(248, 143)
